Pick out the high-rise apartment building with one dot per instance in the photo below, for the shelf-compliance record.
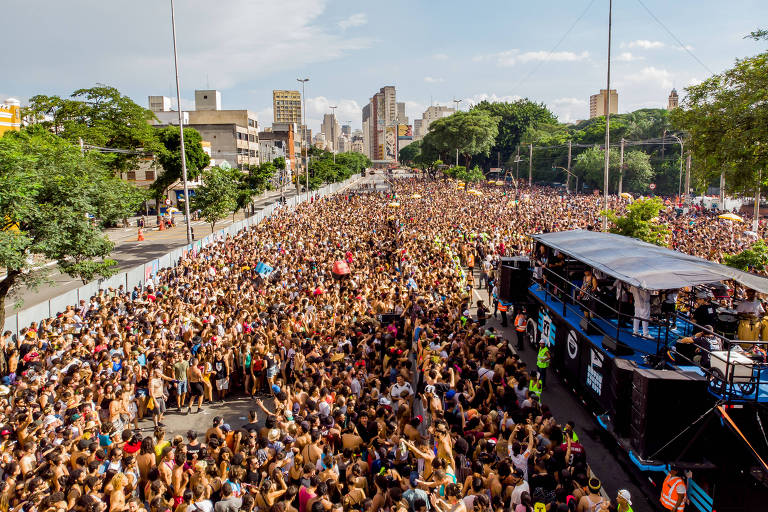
(432, 114)
(597, 103)
(332, 130)
(286, 106)
(380, 119)
(673, 100)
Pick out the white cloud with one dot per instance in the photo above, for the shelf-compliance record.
(644, 44)
(652, 76)
(432, 80)
(509, 58)
(492, 98)
(569, 109)
(346, 110)
(356, 20)
(243, 43)
(627, 57)
(440, 56)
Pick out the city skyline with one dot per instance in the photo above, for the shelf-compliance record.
(430, 56)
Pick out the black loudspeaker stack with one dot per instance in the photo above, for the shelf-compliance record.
(514, 279)
(664, 403)
(620, 396)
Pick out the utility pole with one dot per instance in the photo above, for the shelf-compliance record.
(688, 178)
(498, 159)
(530, 167)
(722, 190)
(621, 166)
(568, 176)
(457, 157)
(607, 119)
(181, 131)
(304, 134)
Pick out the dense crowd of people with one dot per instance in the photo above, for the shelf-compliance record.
(372, 389)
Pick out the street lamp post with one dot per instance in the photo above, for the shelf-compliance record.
(304, 133)
(457, 104)
(568, 179)
(333, 131)
(607, 119)
(181, 130)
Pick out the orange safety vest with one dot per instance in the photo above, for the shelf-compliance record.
(502, 307)
(520, 323)
(669, 493)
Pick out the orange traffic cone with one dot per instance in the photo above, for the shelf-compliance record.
(141, 235)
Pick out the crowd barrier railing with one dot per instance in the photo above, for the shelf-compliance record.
(139, 275)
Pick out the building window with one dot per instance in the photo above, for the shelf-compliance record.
(149, 175)
(253, 153)
(251, 138)
(132, 175)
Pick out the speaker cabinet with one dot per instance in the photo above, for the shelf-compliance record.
(664, 403)
(620, 396)
(617, 347)
(514, 279)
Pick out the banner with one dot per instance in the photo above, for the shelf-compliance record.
(404, 132)
(390, 146)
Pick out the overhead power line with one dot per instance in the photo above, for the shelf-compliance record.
(673, 36)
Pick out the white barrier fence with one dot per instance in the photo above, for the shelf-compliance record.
(137, 276)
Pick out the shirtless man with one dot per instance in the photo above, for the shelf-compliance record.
(196, 386)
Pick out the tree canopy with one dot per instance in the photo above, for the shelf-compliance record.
(472, 133)
(53, 203)
(100, 116)
(216, 198)
(726, 117)
(169, 157)
(641, 221)
(589, 166)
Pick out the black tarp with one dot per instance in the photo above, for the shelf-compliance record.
(642, 264)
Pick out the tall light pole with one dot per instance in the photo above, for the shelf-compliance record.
(181, 130)
(456, 108)
(333, 131)
(607, 119)
(304, 132)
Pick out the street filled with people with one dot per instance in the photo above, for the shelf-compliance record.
(357, 325)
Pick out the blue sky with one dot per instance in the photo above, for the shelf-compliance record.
(431, 50)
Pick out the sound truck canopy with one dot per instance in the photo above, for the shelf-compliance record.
(644, 265)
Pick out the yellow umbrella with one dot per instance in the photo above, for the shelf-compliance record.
(394, 205)
(626, 195)
(416, 196)
(499, 183)
(731, 216)
(474, 192)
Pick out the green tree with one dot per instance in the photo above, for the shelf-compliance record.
(516, 119)
(472, 133)
(410, 154)
(726, 117)
(169, 158)
(637, 174)
(753, 258)
(470, 175)
(216, 198)
(641, 221)
(48, 193)
(100, 116)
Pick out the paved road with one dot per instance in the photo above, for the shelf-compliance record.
(610, 465)
(130, 253)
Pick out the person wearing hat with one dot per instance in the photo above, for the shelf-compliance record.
(593, 498)
(542, 360)
(623, 501)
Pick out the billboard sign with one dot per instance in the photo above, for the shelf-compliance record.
(390, 146)
(404, 132)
